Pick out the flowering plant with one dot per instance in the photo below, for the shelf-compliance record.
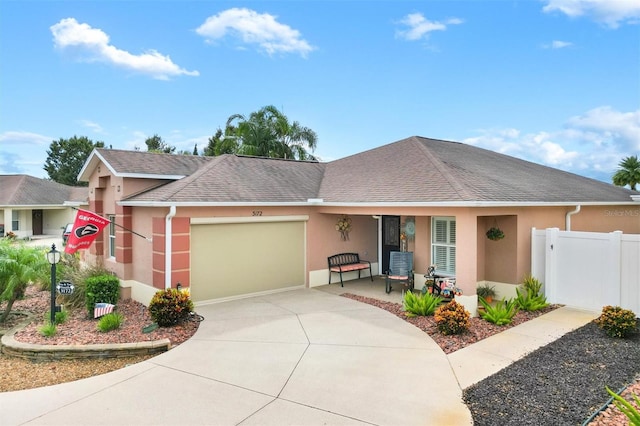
(344, 226)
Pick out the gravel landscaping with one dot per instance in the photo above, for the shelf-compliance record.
(18, 374)
(561, 383)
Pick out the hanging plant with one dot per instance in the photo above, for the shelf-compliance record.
(495, 234)
(344, 226)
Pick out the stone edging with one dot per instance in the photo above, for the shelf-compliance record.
(11, 347)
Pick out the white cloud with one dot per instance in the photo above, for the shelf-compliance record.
(16, 159)
(591, 144)
(611, 13)
(95, 127)
(621, 127)
(68, 33)
(557, 44)
(21, 138)
(419, 27)
(252, 27)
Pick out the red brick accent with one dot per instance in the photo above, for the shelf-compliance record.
(181, 243)
(181, 225)
(158, 225)
(180, 256)
(180, 261)
(158, 279)
(96, 206)
(124, 255)
(183, 277)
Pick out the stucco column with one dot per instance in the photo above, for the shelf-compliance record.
(8, 216)
(467, 252)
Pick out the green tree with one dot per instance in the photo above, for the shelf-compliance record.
(628, 173)
(65, 158)
(19, 266)
(195, 149)
(220, 143)
(156, 144)
(269, 133)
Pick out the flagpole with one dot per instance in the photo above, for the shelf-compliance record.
(120, 226)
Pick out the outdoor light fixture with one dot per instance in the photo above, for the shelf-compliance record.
(53, 257)
(179, 286)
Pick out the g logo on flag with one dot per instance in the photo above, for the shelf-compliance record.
(86, 231)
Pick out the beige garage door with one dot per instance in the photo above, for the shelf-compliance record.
(231, 259)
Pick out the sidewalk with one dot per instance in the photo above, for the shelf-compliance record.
(488, 356)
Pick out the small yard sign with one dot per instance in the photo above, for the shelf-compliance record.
(65, 287)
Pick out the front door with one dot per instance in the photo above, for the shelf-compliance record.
(390, 239)
(36, 222)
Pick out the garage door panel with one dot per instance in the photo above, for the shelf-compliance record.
(241, 258)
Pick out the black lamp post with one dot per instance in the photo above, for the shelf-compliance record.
(53, 257)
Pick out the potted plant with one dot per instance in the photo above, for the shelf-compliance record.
(495, 233)
(487, 292)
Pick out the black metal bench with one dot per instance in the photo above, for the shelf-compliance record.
(347, 262)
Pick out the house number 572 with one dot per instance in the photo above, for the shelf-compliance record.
(256, 213)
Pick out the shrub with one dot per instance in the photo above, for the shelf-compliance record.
(60, 318)
(452, 318)
(111, 321)
(169, 307)
(626, 408)
(422, 304)
(48, 330)
(501, 314)
(617, 322)
(531, 300)
(101, 289)
(78, 276)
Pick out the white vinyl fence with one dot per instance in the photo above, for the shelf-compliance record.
(587, 270)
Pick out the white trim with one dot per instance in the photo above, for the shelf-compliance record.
(248, 219)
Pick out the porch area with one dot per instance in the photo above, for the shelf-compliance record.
(366, 288)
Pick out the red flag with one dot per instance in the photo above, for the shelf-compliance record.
(86, 228)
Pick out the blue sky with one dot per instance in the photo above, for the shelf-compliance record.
(556, 82)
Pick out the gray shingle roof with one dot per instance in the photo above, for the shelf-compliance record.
(127, 163)
(24, 190)
(418, 169)
(232, 178)
(412, 170)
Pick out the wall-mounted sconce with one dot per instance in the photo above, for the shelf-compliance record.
(118, 188)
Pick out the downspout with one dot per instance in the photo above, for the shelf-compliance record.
(168, 248)
(567, 220)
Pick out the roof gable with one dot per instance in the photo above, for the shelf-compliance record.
(144, 165)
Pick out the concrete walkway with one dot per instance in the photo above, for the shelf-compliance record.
(304, 357)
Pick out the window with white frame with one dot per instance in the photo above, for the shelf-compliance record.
(443, 244)
(112, 236)
(15, 220)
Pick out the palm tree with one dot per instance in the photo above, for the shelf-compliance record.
(19, 265)
(628, 173)
(268, 133)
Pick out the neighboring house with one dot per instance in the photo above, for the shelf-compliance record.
(30, 206)
(232, 225)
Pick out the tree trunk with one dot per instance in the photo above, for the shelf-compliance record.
(7, 310)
